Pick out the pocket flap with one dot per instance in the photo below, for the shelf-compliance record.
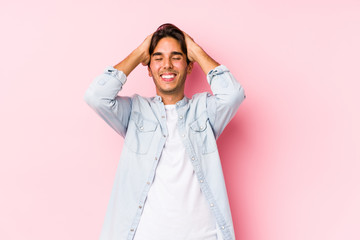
(142, 124)
(199, 124)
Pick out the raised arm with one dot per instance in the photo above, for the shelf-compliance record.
(197, 54)
(102, 94)
(227, 91)
(139, 55)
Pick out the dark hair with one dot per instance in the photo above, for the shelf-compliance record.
(168, 30)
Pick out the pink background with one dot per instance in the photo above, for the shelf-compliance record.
(290, 156)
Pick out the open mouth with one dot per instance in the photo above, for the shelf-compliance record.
(168, 77)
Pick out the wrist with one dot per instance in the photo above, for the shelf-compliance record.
(203, 59)
(195, 53)
(139, 55)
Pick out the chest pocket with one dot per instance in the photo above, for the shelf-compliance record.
(202, 134)
(140, 133)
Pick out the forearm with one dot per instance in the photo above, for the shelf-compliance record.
(139, 55)
(130, 62)
(203, 59)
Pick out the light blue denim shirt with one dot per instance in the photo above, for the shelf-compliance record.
(142, 122)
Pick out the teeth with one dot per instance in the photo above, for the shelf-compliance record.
(168, 76)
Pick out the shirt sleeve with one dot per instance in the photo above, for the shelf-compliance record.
(102, 97)
(227, 96)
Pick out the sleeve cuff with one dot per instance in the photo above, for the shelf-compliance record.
(120, 75)
(216, 71)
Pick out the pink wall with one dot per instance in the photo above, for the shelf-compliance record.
(290, 156)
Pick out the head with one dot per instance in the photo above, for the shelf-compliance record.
(169, 65)
(168, 30)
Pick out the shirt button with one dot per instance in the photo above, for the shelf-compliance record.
(201, 181)
(183, 135)
(181, 117)
(201, 127)
(140, 207)
(223, 227)
(141, 128)
(163, 116)
(132, 229)
(148, 183)
(193, 158)
(155, 158)
(164, 136)
(211, 205)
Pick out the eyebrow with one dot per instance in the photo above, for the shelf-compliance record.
(172, 53)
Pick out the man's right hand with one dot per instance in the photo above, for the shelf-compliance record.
(144, 49)
(139, 55)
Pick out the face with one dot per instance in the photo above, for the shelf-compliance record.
(168, 68)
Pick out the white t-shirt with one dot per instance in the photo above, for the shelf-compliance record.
(175, 207)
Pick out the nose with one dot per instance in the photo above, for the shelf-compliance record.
(167, 63)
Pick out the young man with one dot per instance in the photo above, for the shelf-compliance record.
(169, 183)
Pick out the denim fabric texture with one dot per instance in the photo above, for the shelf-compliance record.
(142, 122)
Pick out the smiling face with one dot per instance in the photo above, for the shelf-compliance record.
(168, 68)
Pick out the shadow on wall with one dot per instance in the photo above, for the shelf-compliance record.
(196, 82)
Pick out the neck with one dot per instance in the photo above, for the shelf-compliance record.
(170, 98)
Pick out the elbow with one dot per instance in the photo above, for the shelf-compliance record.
(241, 95)
(97, 102)
(237, 97)
(91, 99)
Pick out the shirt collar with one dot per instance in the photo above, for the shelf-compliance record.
(180, 103)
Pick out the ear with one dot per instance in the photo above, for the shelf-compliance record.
(190, 67)
(149, 72)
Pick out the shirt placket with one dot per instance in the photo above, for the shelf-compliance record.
(150, 180)
(195, 160)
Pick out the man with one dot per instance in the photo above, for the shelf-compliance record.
(169, 183)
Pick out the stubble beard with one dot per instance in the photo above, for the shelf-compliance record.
(170, 91)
